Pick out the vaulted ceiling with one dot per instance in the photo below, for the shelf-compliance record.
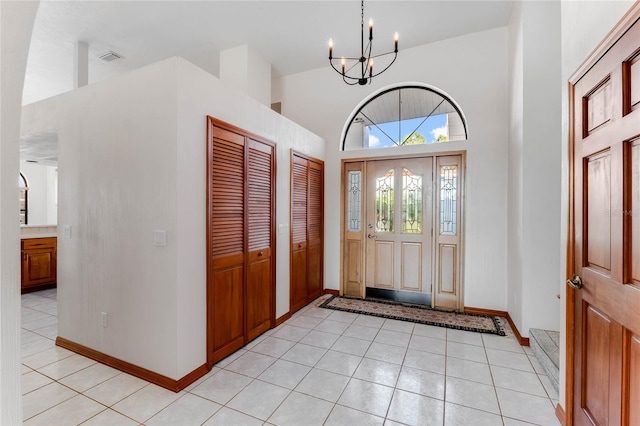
(291, 35)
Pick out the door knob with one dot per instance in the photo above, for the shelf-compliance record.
(575, 282)
(372, 236)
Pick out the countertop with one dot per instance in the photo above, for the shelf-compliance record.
(32, 236)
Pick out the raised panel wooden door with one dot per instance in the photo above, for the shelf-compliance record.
(260, 193)
(299, 221)
(606, 129)
(226, 243)
(39, 266)
(399, 225)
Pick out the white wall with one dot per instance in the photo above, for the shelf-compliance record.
(583, 26)
(245, 69)
(132, 159)
(515, 165)
(200, 94)
(534, 166)
(473, 70)
(43, 209)
(16, 24)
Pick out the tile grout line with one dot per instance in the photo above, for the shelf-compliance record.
(252, 349)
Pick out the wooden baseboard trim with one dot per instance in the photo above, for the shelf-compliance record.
(134, 370)
(562, 417)
(481, 311)
(192, 377)
(283, 318)
(332, 291)
(524, 341)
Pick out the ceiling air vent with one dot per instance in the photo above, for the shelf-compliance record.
(110, 56)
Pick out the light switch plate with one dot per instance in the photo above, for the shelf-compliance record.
(160, 238)
(283, 228)
(66, 231)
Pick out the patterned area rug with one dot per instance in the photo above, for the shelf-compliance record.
(416, 313)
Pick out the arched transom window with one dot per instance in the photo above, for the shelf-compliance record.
(404, 115)
(24, 200)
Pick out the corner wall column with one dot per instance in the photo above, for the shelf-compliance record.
(16, 26)
(245, 69)
(80, 64)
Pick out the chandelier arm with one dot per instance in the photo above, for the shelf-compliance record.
(379, 55)
(386, 68)
(340, 71)
(347, 58)
(352, 66)
(348, 82)
(345, 75)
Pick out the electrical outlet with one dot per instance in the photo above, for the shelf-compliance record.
(104, 318)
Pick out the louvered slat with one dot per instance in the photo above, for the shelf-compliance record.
(315, 204)
(227, 201)
(259, 195)
(299, 201)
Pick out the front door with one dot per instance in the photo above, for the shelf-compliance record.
(399, 230)
(606, 250)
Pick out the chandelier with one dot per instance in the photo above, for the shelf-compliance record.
(351, 73)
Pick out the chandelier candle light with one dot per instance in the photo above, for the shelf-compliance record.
(365, 59)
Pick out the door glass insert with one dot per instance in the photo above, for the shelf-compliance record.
(384, 202)
(448, 202)
(411, 202)
(354, 200)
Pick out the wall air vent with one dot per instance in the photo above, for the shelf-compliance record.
(110, 56)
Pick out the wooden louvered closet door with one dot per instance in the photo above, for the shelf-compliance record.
(307, 176)
(240, 275)
(299, 178)
(315, 208)
(260, 267)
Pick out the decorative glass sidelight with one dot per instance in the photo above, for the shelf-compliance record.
(448, 201)
(384, 202)
(411, 202)
(354, 200)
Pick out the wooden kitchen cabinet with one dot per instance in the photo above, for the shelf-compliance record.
(39, 258)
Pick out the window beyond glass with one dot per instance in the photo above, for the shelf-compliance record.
(24, 200)
(407, 115)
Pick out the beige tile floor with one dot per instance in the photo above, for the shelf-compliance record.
(319, 368)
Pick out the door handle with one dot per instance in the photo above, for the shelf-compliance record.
(575, 282)
(372, 236)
